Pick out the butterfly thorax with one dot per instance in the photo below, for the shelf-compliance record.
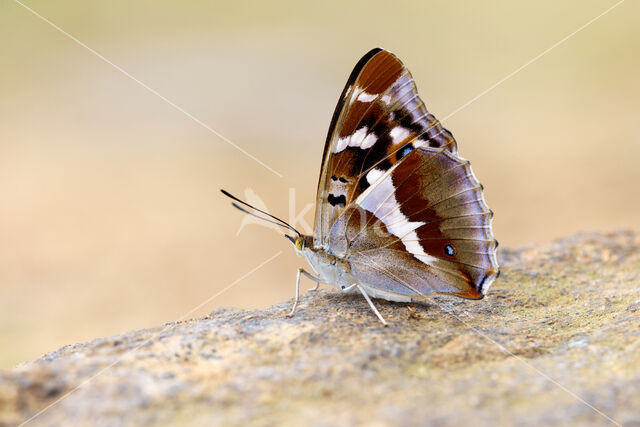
(331, 269)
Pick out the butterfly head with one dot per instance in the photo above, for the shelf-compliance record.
(298, 242)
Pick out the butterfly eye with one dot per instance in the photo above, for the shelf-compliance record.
(449, 250)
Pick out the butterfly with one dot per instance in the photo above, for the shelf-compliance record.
(399, 215)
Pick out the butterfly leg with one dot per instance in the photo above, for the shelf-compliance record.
(366, 296)
(295, 302)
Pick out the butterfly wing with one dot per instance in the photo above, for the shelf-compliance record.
(422, 227)
(379, 119)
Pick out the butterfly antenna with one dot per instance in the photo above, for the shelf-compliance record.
(279, 222)
(241, 209)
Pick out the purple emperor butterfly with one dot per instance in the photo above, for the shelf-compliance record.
(399, 214)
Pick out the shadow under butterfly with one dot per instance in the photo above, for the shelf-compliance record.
(399, 214)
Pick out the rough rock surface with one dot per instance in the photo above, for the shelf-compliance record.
(556, 341)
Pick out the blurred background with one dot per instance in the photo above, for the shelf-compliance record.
(110, 214)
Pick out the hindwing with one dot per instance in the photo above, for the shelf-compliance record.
(423, 227)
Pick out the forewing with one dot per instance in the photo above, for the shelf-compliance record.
(423, 227)
(378, 120)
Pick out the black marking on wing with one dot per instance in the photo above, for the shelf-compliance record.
(335, 201)
(342, 179)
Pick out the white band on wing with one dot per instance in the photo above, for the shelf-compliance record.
(380, 200)
(360, 138)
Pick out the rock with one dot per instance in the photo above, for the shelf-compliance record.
(556, 341)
